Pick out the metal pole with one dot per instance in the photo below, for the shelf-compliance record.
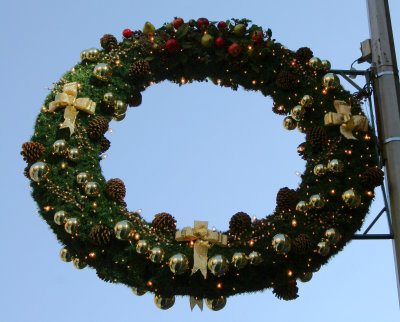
(387, 106)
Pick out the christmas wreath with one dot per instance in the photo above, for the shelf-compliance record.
(88, 213)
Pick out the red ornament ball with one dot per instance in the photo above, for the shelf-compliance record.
(221, 25)
(257, 36)
(219, 42)
(172, 46)
(235, 49)
(177, 22)
(202, 23)
(127, 33)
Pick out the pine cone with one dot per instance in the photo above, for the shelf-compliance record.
(100, 235)
(135, 99)
(287, 291)
(280, 110)
(304, 54)
(286, 81)
(239, 223)
(301, 150)
(115, 189)
(26, 171)
(32, 151)
(104, 144)
(164, 222)
(317, 137)
(139, 68)
(97, 127)
(302, 244)
(372, 177)
(108, 42)
(285, 199)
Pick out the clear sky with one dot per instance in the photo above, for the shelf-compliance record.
(199, 152)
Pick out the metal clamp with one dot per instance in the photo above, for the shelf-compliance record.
(387, 72)
(393, 138)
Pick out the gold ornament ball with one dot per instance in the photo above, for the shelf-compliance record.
(301, 129)
(164, 303)
(120, 107)
(315, 62)
(142, 247)
(102, 71)
(83, 54)
(332, 235)
(319, 170)
(157, 255)
(255, 258)
(289, 123)
(281, 243)
(79, 264)
(60, 147)
(335, 165)
(305, 277)
(216, 304)
(306, 101)
(82, 177)
(71, 226)
(38, 171)
(74, 154)
(124, 230)
(331, 80)
(218, 265)
(325, 64)
(138, 291)
(316, 201)
(297, 112)
(65, 255)
(323, 248)
(301, 206)
(92, 54)
(118, 117)
(239, 260)
(92, 188)
(178, 264)
(351, 198)
(60, 217)
(109, 98)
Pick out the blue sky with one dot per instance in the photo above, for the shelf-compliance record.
(199, 152)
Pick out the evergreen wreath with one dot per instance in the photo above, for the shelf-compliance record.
(88, 213)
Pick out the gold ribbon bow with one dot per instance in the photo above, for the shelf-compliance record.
(196, 301)
(347, 122)
(205, 239)
(72, 104)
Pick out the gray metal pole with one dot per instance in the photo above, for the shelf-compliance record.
(387, 107)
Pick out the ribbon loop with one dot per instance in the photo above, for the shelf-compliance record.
(347, 122)
(204, 239)
(68, 100)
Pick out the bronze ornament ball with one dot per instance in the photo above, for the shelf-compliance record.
(74, 154)
(142, 247)
(301, 206)
(315, 62)
(216, 304)
(335, 165)
(60, 217)
(124, 230)
(332, 235)
(289, 123)
(255, 258)
(325, 64)
(120, 107)
(119, 117)
(281, 243)
(92, 188)
(71, 226)
(82, 177)
(92, 54)
(331, 80)
(138, 291)
(239, 260)
(323, 248)
(102, 71)
(218, 265)
(65, 255)
(83, 55)
(79, 263)
(109, 99)
(319, 169)
(316, 201)
(60, 147)
(164, 303)
(297, 112)
(351, 198)
(38, 171)
(178, 264)
(157, 255)
(306, 101)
